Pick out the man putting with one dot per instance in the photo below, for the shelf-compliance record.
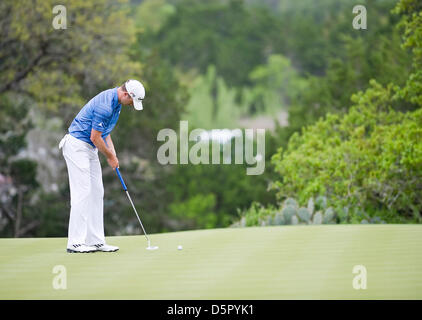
(88, 133)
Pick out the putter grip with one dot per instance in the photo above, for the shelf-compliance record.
(121, 179)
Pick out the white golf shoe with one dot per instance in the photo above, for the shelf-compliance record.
(105, 247)
(80, 248)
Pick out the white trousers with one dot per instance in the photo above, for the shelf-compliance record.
(86, 222)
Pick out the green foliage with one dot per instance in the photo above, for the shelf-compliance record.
(256, 215)
(212, 63)
(349, 60)
(318, 29)
(230, 36)
(212, 103)
(197, 211)
(150, 15)
(274, 86)
(288, 213)
(378, 58)
(62, 68)
(14, 125)
(24, 172)
(51, 212)
(369, 158)
(18, 173)
(222, 189)
(411, 24)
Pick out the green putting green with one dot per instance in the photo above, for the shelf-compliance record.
(286, 262)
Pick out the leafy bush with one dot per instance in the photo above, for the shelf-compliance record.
(369, 159)
(254, 215)
(289, 213)
(198, 210)
(411, 24)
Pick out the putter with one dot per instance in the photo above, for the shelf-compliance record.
(133, 206)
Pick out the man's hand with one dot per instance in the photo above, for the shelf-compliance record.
(113, 162)
(110, 154)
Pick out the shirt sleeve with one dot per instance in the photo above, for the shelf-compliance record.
(101, 118)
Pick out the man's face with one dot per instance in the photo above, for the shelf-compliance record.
(126, 100)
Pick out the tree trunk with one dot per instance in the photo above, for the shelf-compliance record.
(214, 97)
(19, 212)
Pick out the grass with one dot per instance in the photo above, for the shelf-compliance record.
(286, 262)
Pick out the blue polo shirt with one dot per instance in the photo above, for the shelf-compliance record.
(100, 113)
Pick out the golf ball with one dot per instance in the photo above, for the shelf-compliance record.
(179, 247)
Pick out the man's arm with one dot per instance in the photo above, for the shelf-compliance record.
(109, 144)
(110, 154)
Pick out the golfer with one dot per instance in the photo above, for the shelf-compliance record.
(88, 133)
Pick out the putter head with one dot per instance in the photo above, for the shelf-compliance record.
(152, 248)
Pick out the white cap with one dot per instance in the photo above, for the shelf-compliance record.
(137, 92)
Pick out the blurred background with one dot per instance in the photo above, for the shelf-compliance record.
(341, 108)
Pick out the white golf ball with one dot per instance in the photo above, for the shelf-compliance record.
(179, 247)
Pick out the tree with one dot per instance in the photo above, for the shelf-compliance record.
(61, 68)
(208, 195)
(377, 56)
(369, 158)
(18, 173)
(411, 24)
(365, 156)
(230, 36)
(58, 71)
